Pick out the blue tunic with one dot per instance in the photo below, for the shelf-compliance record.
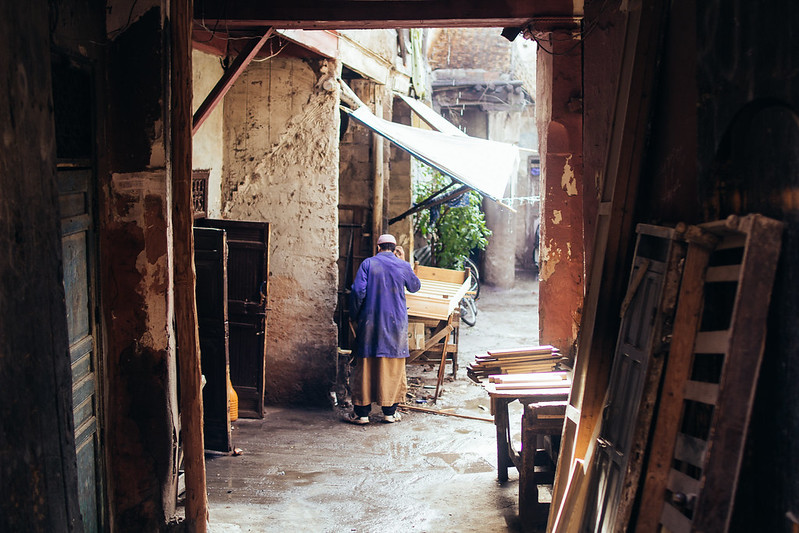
(377, 304)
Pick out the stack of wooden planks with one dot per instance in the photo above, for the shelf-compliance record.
(521, 360)
(537, 381)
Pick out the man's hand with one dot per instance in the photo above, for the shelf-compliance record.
(399, 252)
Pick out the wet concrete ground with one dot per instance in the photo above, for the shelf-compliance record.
(306, 470)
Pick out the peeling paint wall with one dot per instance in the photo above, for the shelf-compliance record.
(559, 119)
(207, 145)
(282, 166)
(136, 282)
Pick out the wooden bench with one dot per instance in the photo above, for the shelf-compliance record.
(539, 420)
(540, 387)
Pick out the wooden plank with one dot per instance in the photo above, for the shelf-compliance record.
(573, 491)
(732, 241)
(740, 372)
(639, 439)
(442, 366)
(440, 274)
(227, 80)
(532, 385)
(679, 482)
(378, 173)
(690, 450)
(523, 359)
(630, 117)
(712, 342)
(526, 350)
(557, 393)
(700, 391)
(433, 340)
(677, 372)
(723, 273)
(536, 376)
(673, 520)
(191, 400)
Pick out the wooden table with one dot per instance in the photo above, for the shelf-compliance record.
(436, 305)
(507, 456)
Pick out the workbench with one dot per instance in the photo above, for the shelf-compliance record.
(536, 388)
(437, 305)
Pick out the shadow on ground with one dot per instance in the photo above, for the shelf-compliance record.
(306, 470)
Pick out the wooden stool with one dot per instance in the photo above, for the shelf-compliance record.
(538, 420)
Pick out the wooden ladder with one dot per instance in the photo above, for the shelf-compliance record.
(711, 374)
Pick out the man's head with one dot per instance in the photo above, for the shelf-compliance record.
(386, 243)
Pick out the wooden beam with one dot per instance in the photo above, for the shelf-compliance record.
(365, 14)
(228, 79)
(191, 399)
(378, 172)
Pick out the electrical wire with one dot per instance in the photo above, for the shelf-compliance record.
(125, 26)
(528, 32)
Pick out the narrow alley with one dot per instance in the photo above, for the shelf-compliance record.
(304, 470)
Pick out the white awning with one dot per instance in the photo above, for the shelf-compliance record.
(485, 166)
(429, 115)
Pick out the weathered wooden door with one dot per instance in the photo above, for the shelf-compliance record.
(647, 312)
(79, 255)
(248, 270)
(210, 260)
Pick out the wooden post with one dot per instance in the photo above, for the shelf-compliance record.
(613, 241)
(191, 400)
(379, 175)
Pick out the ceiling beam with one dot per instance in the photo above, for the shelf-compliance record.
(364, 14)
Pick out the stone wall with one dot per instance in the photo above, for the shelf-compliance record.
(207, 145)
(282, 166)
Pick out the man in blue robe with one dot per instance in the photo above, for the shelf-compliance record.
(377, 305)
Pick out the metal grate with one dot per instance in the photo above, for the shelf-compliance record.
(199, 193)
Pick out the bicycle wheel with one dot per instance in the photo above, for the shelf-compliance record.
(468, 311)
(474, 277)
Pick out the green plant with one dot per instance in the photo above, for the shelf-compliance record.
(453, 231)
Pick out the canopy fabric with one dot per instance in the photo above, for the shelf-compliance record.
(485, 166)
(433, 119)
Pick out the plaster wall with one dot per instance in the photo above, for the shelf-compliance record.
(207, 143)
(499, 257)
(528, 190)
(373, 54)
(282, 166)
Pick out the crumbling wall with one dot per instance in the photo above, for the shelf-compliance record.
(281, 166)
(499, 258)
(207, 145)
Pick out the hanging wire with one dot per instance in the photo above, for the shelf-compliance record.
(580, 37)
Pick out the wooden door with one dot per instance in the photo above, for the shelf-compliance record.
(647, 311)
(210, 261)
(248, 270)
(79, 253)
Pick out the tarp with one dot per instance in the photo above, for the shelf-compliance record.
(485, 166)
